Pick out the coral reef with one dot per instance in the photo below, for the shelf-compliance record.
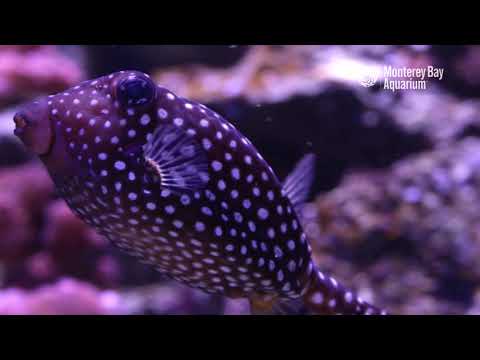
(104, 59)
(412, 225)
(68, 296)
(25, 190)
(26, 71)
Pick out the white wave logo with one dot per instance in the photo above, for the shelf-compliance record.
(369, 79)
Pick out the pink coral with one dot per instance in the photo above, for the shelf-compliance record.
(26, 70)
(66, 297)
(25, 191)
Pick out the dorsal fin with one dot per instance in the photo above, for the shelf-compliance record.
(177, 158)
(297, 185)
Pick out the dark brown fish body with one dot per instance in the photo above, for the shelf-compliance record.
(177, 186)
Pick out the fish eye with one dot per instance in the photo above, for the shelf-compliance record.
(136, 91)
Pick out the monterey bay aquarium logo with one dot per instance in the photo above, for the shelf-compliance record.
(401, 78)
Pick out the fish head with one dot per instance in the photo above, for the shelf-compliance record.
(96, 116)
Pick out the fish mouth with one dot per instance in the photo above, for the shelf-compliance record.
(34, 127)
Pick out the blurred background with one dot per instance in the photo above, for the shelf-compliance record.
(395, 206)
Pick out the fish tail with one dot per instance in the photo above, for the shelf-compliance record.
(324, 296)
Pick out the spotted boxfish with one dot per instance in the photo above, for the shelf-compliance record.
(177, 186)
